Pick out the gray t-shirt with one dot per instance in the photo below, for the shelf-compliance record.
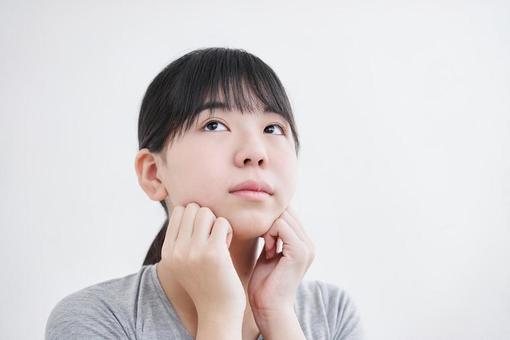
(136, 307)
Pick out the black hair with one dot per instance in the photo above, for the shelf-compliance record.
(186, 86)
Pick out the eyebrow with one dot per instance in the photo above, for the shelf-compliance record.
(222, 105)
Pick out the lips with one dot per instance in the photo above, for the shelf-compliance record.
(253, 185)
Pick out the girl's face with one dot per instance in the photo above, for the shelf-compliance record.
(224, 149)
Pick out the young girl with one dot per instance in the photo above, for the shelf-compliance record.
(218, 149)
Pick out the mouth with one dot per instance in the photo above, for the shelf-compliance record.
(252, 195)
(253, 186)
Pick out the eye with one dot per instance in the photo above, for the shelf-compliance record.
(282, 129)
(213, 124)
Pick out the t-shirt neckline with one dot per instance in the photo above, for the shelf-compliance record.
(168, 304)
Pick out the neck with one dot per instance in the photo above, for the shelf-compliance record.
(244, 256)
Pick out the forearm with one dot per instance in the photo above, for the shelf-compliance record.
(277, 326)
(219, 327)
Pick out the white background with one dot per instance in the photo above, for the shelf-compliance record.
(403, 110)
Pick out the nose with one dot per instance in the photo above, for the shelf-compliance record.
(251, 153)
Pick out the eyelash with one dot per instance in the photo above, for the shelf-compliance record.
(284, 132)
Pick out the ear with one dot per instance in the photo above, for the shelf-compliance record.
(146, 167)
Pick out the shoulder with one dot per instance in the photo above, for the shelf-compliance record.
(321, 302)
(101, 310)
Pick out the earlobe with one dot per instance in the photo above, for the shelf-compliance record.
(159, 193)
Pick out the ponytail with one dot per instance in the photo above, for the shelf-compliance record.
(154, 253)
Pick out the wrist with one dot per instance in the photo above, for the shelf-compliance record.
(219, 315)
(279, 325)
(271, 318)
(212, 310)
(219, 325)
(273, 315)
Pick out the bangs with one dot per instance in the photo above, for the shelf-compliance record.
(229, 80)
(215, 78)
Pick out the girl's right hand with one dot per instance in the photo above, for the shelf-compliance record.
(195, 251)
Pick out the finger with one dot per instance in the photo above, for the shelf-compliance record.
(187, 222)
(204, 221)
(295, 224)
(276, 249)
(173, 224)
(269, 242)
(291, 221)
(280, 229)
(279, 245)
(221, 232)
(171, 232)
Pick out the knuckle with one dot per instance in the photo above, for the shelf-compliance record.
(192, 205)
(223, 226)
(222, 221)
(176, 210)
(206, 211)
(281, 222)
(179, 256)
(194, 257)
(164, 255)
(211, 256)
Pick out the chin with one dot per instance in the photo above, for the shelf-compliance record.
(251, 224)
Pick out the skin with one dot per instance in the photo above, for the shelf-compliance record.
(202, 165)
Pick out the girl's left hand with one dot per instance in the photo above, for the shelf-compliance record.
(274, 281)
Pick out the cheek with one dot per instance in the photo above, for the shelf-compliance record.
(287, 182)
(204, 183)
(286, 170)
(196, 173)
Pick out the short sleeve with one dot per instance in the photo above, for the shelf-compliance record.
(83, 315)
(343, 318)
